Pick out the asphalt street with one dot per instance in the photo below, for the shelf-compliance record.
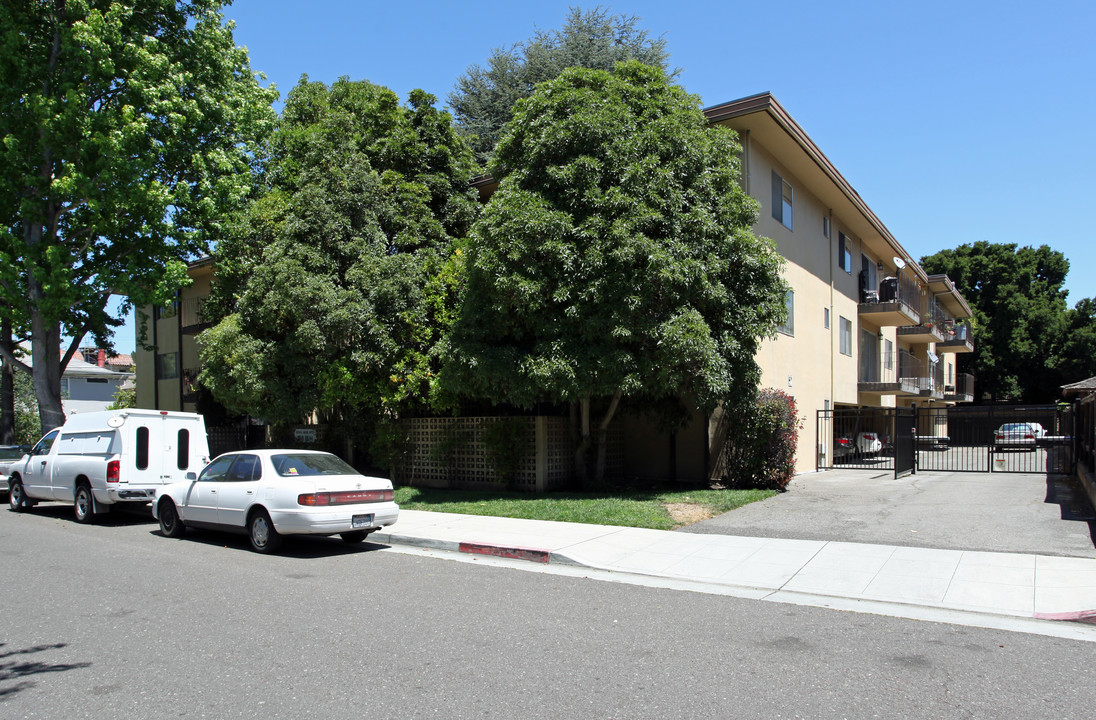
(993, 512)
(114, 621)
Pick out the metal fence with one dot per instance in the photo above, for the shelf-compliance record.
(991, 438)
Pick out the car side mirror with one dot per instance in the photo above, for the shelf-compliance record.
(192, 476)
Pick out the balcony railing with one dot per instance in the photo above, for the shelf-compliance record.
(962, 390)
(898, 373)
(192, 314)
(957, 338)
(895, 303)
(932, 382)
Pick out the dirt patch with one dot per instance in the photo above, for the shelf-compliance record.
(687, 513)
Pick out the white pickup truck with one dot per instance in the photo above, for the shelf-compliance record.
(98, 459)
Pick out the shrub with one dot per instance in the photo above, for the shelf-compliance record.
(505, 441)
(758, 448)
(390, 447)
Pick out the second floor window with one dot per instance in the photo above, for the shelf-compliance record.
(844, 252)
(846, 336)
(788, 328)
(782, 201)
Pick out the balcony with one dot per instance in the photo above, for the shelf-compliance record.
(962, 391)
(192, 318)
(932, 382)
(933, 321)
(884, 379)
(895, 303)
(957, 338)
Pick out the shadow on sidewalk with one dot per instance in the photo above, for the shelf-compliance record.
(1068, 493)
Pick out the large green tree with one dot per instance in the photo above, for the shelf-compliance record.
(125, 129)
(616, 259)
(483, 98)
(1027, 342)
(338, 284)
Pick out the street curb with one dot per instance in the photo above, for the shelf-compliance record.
(1085, 616)
(510, 552)
(513, 553)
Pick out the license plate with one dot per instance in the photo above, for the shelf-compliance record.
(360, 521)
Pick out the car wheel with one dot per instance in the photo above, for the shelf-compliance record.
(170, 524)
(354, 536)
(264, 538)
(83, 504)
(17, 499)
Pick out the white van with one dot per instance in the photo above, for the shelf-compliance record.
(98, 459)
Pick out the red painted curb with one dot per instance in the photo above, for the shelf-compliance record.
(516, 553)
(1085, 616)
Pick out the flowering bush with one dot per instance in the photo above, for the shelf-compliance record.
(758, 448)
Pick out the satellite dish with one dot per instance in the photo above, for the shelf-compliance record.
(899, 262)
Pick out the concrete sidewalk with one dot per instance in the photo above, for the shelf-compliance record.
(988, 583)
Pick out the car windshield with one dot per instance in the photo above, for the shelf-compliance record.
(1015, 427)
(310, 464)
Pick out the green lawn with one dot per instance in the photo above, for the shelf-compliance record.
(620, 506)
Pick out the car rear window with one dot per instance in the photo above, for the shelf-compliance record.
(310, 464)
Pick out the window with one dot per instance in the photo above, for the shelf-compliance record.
(102, 381)
(826, 318)
(65, 389)
(246, 469)
(844, 254)
(142, 448)
(888, 355)
(216, 470)
(782, 201)
(825, 226)
(167, 366)
(44, 445)
(788, 328)
(870, 275)
(846, 336)
(168, 311)
(183, 449)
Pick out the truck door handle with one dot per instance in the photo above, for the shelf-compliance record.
(43, 463)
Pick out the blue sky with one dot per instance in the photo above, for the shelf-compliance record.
(955, 121)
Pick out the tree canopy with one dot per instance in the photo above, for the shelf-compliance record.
(616, 258)
(1027, 342)
(126, 135)
(337, 285)
(483, 98)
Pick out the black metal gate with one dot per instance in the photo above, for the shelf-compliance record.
(987, 438)
(905, 441)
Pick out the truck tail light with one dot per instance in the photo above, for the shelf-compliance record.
(347, 497)
(112, 471)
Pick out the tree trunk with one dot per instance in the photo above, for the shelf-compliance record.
(7, 388)
(582, 447)
(46, 359)
(603, 437)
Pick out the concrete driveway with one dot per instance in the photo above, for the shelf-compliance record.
(996, 512)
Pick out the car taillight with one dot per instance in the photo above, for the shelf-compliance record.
(346, 497)
(112, 471)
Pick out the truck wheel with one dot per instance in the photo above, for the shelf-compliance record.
(17, 499)
(83, 504)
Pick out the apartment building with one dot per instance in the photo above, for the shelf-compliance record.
(167, 374)
(867, 328)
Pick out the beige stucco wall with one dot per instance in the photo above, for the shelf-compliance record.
(165, 336)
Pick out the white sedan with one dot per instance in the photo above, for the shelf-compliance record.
(270, 493)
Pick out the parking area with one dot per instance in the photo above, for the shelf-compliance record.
(997, 512)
